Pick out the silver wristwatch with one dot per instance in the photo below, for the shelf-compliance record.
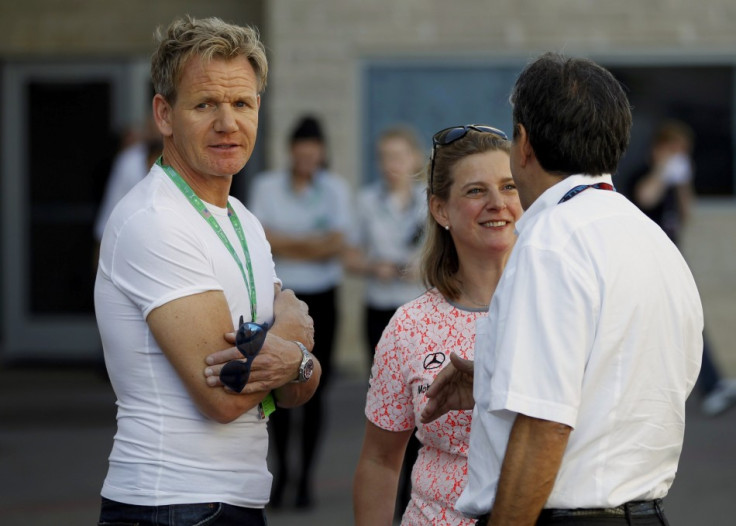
(306, 367)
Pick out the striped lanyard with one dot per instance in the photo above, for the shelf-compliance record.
(581, 188)
(200, 207)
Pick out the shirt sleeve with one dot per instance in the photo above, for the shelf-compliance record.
(547, 313)
(157, 259)
(389, 403)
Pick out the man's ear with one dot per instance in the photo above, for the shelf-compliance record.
(439, 211)
(525, 148)
(162, 115)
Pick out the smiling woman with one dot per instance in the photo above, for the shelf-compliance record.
(473, 207)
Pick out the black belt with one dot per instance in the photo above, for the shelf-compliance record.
(642, 508)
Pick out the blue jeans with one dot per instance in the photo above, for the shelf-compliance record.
(201, 514)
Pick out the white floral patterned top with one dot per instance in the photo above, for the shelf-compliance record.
(415, 346)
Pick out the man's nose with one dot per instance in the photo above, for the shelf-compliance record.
(225, 121)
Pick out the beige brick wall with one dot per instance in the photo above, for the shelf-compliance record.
(102, 28)
(709, 245)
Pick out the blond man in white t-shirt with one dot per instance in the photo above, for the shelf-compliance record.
(180, 262)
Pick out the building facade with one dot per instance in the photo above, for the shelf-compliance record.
(359, 66)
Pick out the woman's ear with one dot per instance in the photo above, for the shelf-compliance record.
(439, 211)
(162, 115)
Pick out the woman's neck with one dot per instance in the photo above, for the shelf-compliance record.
(477, 280)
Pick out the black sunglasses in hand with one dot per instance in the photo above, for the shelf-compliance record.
(249, 340)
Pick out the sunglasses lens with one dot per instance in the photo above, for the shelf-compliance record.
(453, 134)
(235, 375)
(249, 338)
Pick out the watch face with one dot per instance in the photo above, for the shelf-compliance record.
(308, 369)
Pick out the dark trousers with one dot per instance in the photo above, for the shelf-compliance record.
(709, 375)
(114, 513)
(323, 310)
(630, 517)
(603, 521)
(375, 322)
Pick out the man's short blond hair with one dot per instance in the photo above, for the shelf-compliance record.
(208, 38)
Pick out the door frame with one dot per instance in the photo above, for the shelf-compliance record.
(58, 336)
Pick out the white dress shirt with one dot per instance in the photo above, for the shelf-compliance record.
(597, 324)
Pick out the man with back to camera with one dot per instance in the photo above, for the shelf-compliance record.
(594, 336)
(180, 262)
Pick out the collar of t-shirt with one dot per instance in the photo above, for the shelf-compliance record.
(553, 194)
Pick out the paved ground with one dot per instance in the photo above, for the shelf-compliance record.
(57, 424)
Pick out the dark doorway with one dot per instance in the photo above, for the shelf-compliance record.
(70, 148)
(702, 97)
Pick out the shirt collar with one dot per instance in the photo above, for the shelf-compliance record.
(553, 194)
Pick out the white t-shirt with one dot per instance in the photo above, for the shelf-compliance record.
(596, 323)
(323, 206)
(157, 248)
(386, 232)
(128, 169)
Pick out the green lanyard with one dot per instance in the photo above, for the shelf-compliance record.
(200, 207)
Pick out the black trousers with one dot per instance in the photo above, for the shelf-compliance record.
(323, 310)
(591, 521)
(375, 322)
(563, 517)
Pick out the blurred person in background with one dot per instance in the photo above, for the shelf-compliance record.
(473, 209)
(305, 212)
(663, 189)
(384, 248)
(180, 262)
(389, 220)
(139, 150)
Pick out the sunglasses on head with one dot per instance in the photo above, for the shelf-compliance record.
(455, 133)
(249, 340)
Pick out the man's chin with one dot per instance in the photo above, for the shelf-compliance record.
(229, 169)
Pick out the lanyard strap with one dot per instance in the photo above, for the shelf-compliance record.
(200, 207)
(581, 188)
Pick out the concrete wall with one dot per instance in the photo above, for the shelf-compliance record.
(709, 245)
(85, 28)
